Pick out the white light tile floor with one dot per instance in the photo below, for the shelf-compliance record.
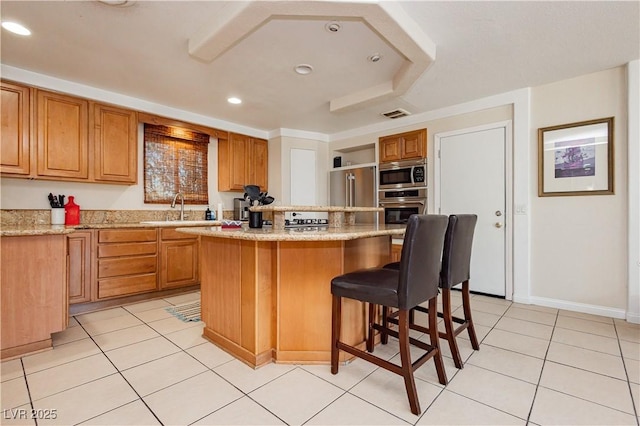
(138, 365)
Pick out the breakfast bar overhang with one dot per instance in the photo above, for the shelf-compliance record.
(266, 293)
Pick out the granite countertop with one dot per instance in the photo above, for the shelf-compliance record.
(29, 230)
(351, 232)
(272, 208)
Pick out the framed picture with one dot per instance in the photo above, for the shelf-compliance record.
(576, 159)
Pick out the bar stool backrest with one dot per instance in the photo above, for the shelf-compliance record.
(420, 259)
(456, 257)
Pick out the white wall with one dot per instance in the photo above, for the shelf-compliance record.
(633, 79)
(579, 243)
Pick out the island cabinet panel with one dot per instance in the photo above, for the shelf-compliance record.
(62, 135)
(79, 275)
(34, 292)
(115, 138)
(266, 300)
(15, 134)
(127, 262)
(237, 307)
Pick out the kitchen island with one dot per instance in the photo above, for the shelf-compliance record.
(266, 292)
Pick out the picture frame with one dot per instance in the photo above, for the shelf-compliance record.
(576, 159)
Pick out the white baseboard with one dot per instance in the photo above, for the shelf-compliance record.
(633, 317)
(605, 311)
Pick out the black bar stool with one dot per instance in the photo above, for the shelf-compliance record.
(414, 282)
(456, 262)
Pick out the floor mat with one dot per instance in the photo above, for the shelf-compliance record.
(186, 312)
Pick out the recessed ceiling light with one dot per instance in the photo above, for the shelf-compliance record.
(333, 27)
(375, 57)
(303, 69)
(234, 100)
(16, 28)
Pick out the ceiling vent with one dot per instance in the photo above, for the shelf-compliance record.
(396, 113)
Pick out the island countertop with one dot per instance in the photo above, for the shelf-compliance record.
(312, 233)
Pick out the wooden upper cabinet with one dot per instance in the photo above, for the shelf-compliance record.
(62, 135)
(258, 171)
(242, 160)
(15, 136)
(403, 146)
(115, 137)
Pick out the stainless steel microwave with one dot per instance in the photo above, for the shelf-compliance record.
(403, 174)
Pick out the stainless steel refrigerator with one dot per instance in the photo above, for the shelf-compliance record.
(355, 188)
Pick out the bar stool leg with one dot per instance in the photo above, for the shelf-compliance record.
(405, 357)
(336, 318)
(435, 340)
(466, 306)
(384, 337)
(371, 332)
(448, 325)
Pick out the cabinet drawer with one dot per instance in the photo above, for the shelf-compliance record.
(126, 285)
(135, 249)
(126, 235)
(172, 234)
(126, 266)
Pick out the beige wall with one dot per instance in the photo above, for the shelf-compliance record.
(577, 246)
(579, 243)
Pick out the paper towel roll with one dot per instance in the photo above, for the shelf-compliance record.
(219, 216)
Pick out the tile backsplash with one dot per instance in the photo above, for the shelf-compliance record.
(43, 217)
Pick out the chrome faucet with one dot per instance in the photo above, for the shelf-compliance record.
(173, 204)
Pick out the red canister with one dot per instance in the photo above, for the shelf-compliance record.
(71, 212)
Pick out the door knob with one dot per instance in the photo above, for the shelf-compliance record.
(498, 224)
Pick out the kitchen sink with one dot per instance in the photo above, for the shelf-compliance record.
(181, 222)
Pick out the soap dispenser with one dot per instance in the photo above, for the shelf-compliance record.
(208, 215)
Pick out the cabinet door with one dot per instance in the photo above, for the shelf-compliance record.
(62, 136)
(240, 160)
(390, 149)
(414, 145)
(79, 246)
(396, 252)
(115, 137)
(14, 138)
(178, 263)
(259, 164)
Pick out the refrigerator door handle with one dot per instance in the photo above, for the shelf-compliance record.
(352, 184)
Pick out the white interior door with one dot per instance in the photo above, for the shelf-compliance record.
(471, 179)
(303, 181)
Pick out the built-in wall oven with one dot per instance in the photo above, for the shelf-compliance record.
(403, 174)
(401, 203)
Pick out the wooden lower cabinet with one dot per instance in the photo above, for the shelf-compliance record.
(178, 259)
(79, 271)
(396, 252)
(111, 263)
(126, 262)
(34, 300)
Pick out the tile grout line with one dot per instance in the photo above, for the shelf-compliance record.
(544, 361)
(123, 377)
(626, 372)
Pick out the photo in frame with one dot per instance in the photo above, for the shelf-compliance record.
(576, 159)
